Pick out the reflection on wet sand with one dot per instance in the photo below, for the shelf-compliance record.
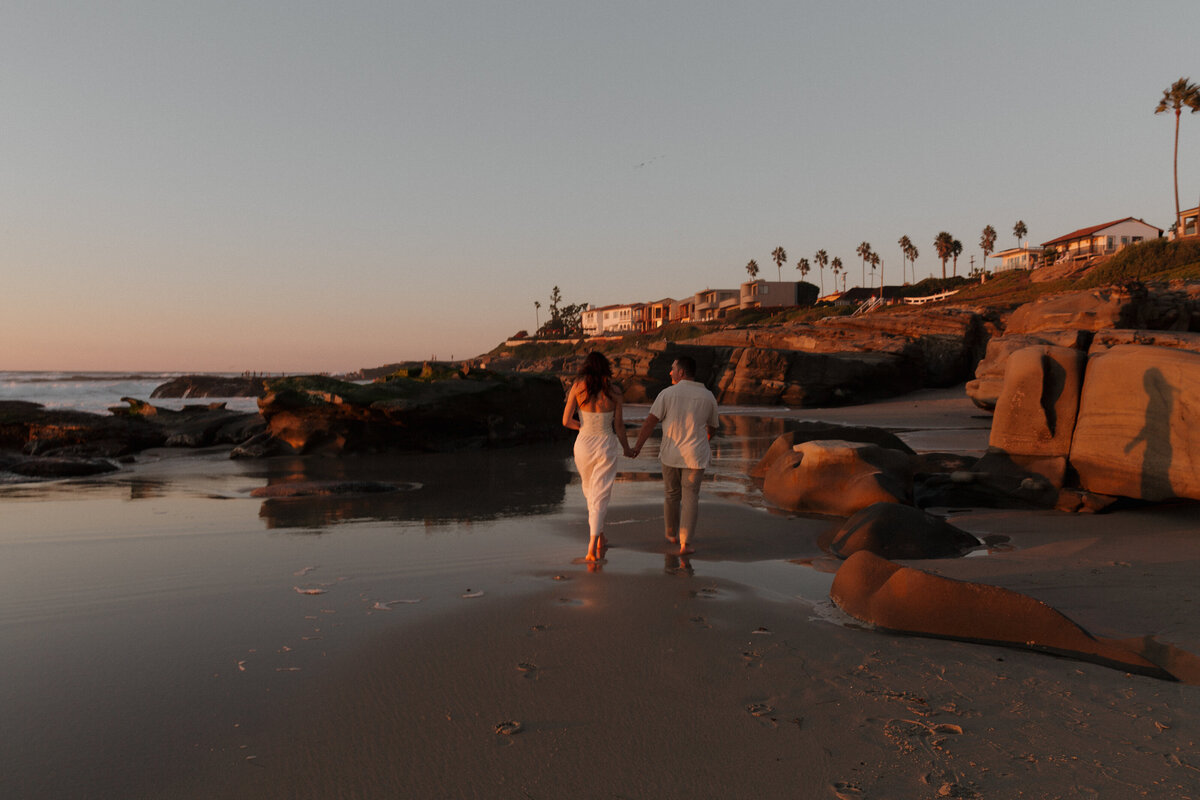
(432, 487)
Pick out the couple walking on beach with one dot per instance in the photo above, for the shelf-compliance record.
(688, 413)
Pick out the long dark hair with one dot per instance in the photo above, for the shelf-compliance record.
(596, 374)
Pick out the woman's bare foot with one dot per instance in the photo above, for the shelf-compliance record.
(601, 544)
(593, 553)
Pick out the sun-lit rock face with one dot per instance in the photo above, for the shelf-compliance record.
(895, 598)
(891, 530)
(1136, 435)
(838, 477)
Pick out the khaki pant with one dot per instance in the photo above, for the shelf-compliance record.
(681, 503)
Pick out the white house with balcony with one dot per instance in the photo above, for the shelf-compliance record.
(611, 319)
(1103, 239)
(1017, 258)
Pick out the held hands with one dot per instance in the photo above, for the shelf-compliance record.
(630, 452)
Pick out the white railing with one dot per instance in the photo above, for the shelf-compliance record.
(872, 304)
(920, 301)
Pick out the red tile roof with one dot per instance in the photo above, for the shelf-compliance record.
(1082, 232)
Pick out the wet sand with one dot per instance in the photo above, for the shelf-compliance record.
(730, 675)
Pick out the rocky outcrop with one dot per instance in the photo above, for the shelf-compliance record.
(903, 599)
(984, 388)
(57, 467)
(1136, 435)
(838, 478)
(807, 431)
(895, 531)
(838, 361)
(37, 431)
(473, 408)
(210, 386)
(1036, 411)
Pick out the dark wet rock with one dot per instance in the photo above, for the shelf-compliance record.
(322, 488)
(808, 431)
(53, 467)
(1081, 501)
(36, 430)
(994, 481)
(895, 598)
(896, 531)
(434, 412)
(195, 425)
(211, 386)
(839, 478)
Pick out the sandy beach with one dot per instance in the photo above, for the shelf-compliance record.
(431, 622)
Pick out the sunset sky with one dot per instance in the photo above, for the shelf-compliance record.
(291, 186)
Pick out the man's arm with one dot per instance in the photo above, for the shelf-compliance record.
(647, 428)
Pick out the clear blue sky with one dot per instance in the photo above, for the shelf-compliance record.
(325, 186)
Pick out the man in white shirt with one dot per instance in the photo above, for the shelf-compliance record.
(688, 412)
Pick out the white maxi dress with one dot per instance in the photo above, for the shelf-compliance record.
(596, 452)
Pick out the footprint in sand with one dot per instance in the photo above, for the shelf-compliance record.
(759, 709)
(844, 790)
(706, 592)
(539, 627)
(700, 622)
(509, 727)
(527, 668)
(569, 601)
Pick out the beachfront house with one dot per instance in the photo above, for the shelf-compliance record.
(1024, 257)
(714, 303)
(1103, 239)
(683, 310)
(657, 313)
(768, 294)
(1189, 223)
(611, 319)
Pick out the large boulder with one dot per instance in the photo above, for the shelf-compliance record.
(811, 430)
(838, 477)
(1136, 435)
(1090, 311)
(894, 531)
(984, 388)
(906, 600)
(36, 430)
(993, 481)
(1035, 413)
(195, 425)
(431, 412)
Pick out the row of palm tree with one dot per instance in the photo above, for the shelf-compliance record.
(821, 259)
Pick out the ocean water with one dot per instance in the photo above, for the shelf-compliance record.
(97, 391)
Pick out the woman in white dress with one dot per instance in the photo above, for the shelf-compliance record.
(598, 403)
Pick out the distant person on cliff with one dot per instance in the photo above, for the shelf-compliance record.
(598, 402)
(688, 412)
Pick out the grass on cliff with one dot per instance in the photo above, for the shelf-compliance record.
(1152, 260)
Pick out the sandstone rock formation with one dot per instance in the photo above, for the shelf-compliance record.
(318, 414)
(837, 477)
(1036, 410)
(894, 531)
(896, 598)
(1136, 435)
(807, 431)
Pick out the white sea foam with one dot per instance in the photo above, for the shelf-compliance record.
(97, 391)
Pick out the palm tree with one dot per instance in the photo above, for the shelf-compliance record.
(874, 259)
(802, 265)
(956, 249)
(912, 259)
(1019, 231)
(904, 243)
(1182, 93)
(836, 264)
(752, 268)
(987, 241)
(780, 256)
(822, 260)
(537, 304)
(864, 251)
(944, 244)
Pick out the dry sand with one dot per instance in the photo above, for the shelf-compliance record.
(638, 681)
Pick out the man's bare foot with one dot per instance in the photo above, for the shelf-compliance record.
(672, 539)
(684, 550)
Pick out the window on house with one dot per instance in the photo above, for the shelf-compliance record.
(1124, 240)
(1112, 240)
